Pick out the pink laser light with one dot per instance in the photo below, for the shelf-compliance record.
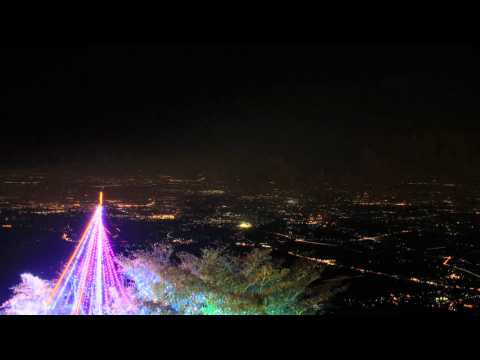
(90, 283)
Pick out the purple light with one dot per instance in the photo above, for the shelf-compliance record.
(90, 283)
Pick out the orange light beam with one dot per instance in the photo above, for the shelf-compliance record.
(70, 260)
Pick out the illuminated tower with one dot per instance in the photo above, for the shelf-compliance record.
(90, 283)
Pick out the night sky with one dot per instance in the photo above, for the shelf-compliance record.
(351, 112)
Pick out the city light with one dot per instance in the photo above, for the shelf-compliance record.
(162, 217)
(447, 260)
(337, 233)
(245, 225)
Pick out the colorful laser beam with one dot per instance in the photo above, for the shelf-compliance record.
(90, 283)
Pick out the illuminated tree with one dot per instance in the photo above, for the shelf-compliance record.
(29, 297)
(219, 283)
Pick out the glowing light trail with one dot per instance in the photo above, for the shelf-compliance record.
(90, 283)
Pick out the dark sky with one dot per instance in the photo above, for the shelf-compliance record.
(360, 112)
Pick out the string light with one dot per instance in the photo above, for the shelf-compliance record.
(90, 283)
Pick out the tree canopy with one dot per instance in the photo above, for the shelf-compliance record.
(218, 282)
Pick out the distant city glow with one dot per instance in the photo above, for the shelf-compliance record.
(162, 217)
(245, 225)
(359, 233)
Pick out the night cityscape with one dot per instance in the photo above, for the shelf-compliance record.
(245, 158)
